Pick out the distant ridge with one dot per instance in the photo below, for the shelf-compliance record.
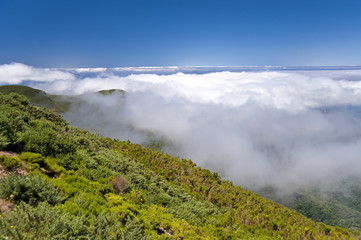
(111, 91)
(35, 96)
(60, 103)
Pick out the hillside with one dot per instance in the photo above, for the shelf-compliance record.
(336, 208)
(61, 103)
(40, 98)
(68, 183)
(36, 96)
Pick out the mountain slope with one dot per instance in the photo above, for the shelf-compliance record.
(36, 96)
(40, 98)
(123, 189)
(61, 103)
(339, 208)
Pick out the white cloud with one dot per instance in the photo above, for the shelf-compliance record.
(291, 91)
(16, 73)
(82, 70)
(284, 129)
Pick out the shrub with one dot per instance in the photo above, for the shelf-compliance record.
(119, 184)
(41, 137)
(30, 189)
(16, 100)
(12, 126)
(137, 181)
(46, 222)
(4, 141)
(52, 164)
(33, 158)
(41, 222)
(10, 163)
(70, 161)
(133, 230)
(96, 174)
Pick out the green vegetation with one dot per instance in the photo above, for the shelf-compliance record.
(31, 189)
(337, 208)
(60, 103)
(47, 222)
(68, 183)
(36, 96)
(39, 98)
(111, 91)
(10, 163)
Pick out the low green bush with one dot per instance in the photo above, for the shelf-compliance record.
(10, 163)
(4, 140)
(40, 137)
(46, 222)
(71, 161)
(33, 158)
(29, 189)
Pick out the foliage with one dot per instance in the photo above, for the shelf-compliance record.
(119, 184)
(40, 98)
(326, 209)
(46, 222)
(29, 189)
(10, 163)
(249, 211)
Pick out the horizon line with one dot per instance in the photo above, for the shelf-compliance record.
(205, 66)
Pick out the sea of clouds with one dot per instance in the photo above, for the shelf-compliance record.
(258, 128)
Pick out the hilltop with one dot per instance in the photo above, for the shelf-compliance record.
(61, 103)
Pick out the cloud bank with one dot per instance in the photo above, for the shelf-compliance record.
(285, 129)
(16, 73)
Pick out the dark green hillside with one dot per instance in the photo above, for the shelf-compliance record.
(67, 183)
(40, 98)
(111, 91)
(61, 103)
(36, 97)
(340, 208)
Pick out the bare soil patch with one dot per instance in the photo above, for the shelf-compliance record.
(9, 154)
(6, 206)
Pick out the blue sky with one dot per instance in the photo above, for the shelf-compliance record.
(81, 33)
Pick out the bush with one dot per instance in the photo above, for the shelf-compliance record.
(10, 163)
(33, 158)
(119, 184)
(30, 189)
(46, 222)
(41, 222)
(4, 141)
(41, 137)
(70, 161)
(12, 126)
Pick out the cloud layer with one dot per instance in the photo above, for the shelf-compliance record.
(281, 128)
(279, 90)
(16, 73)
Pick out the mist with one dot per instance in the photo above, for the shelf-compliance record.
(285, 129)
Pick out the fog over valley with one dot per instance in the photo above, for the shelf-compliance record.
(259, 127)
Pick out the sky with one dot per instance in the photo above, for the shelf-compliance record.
(285, 128)
(81, 33)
